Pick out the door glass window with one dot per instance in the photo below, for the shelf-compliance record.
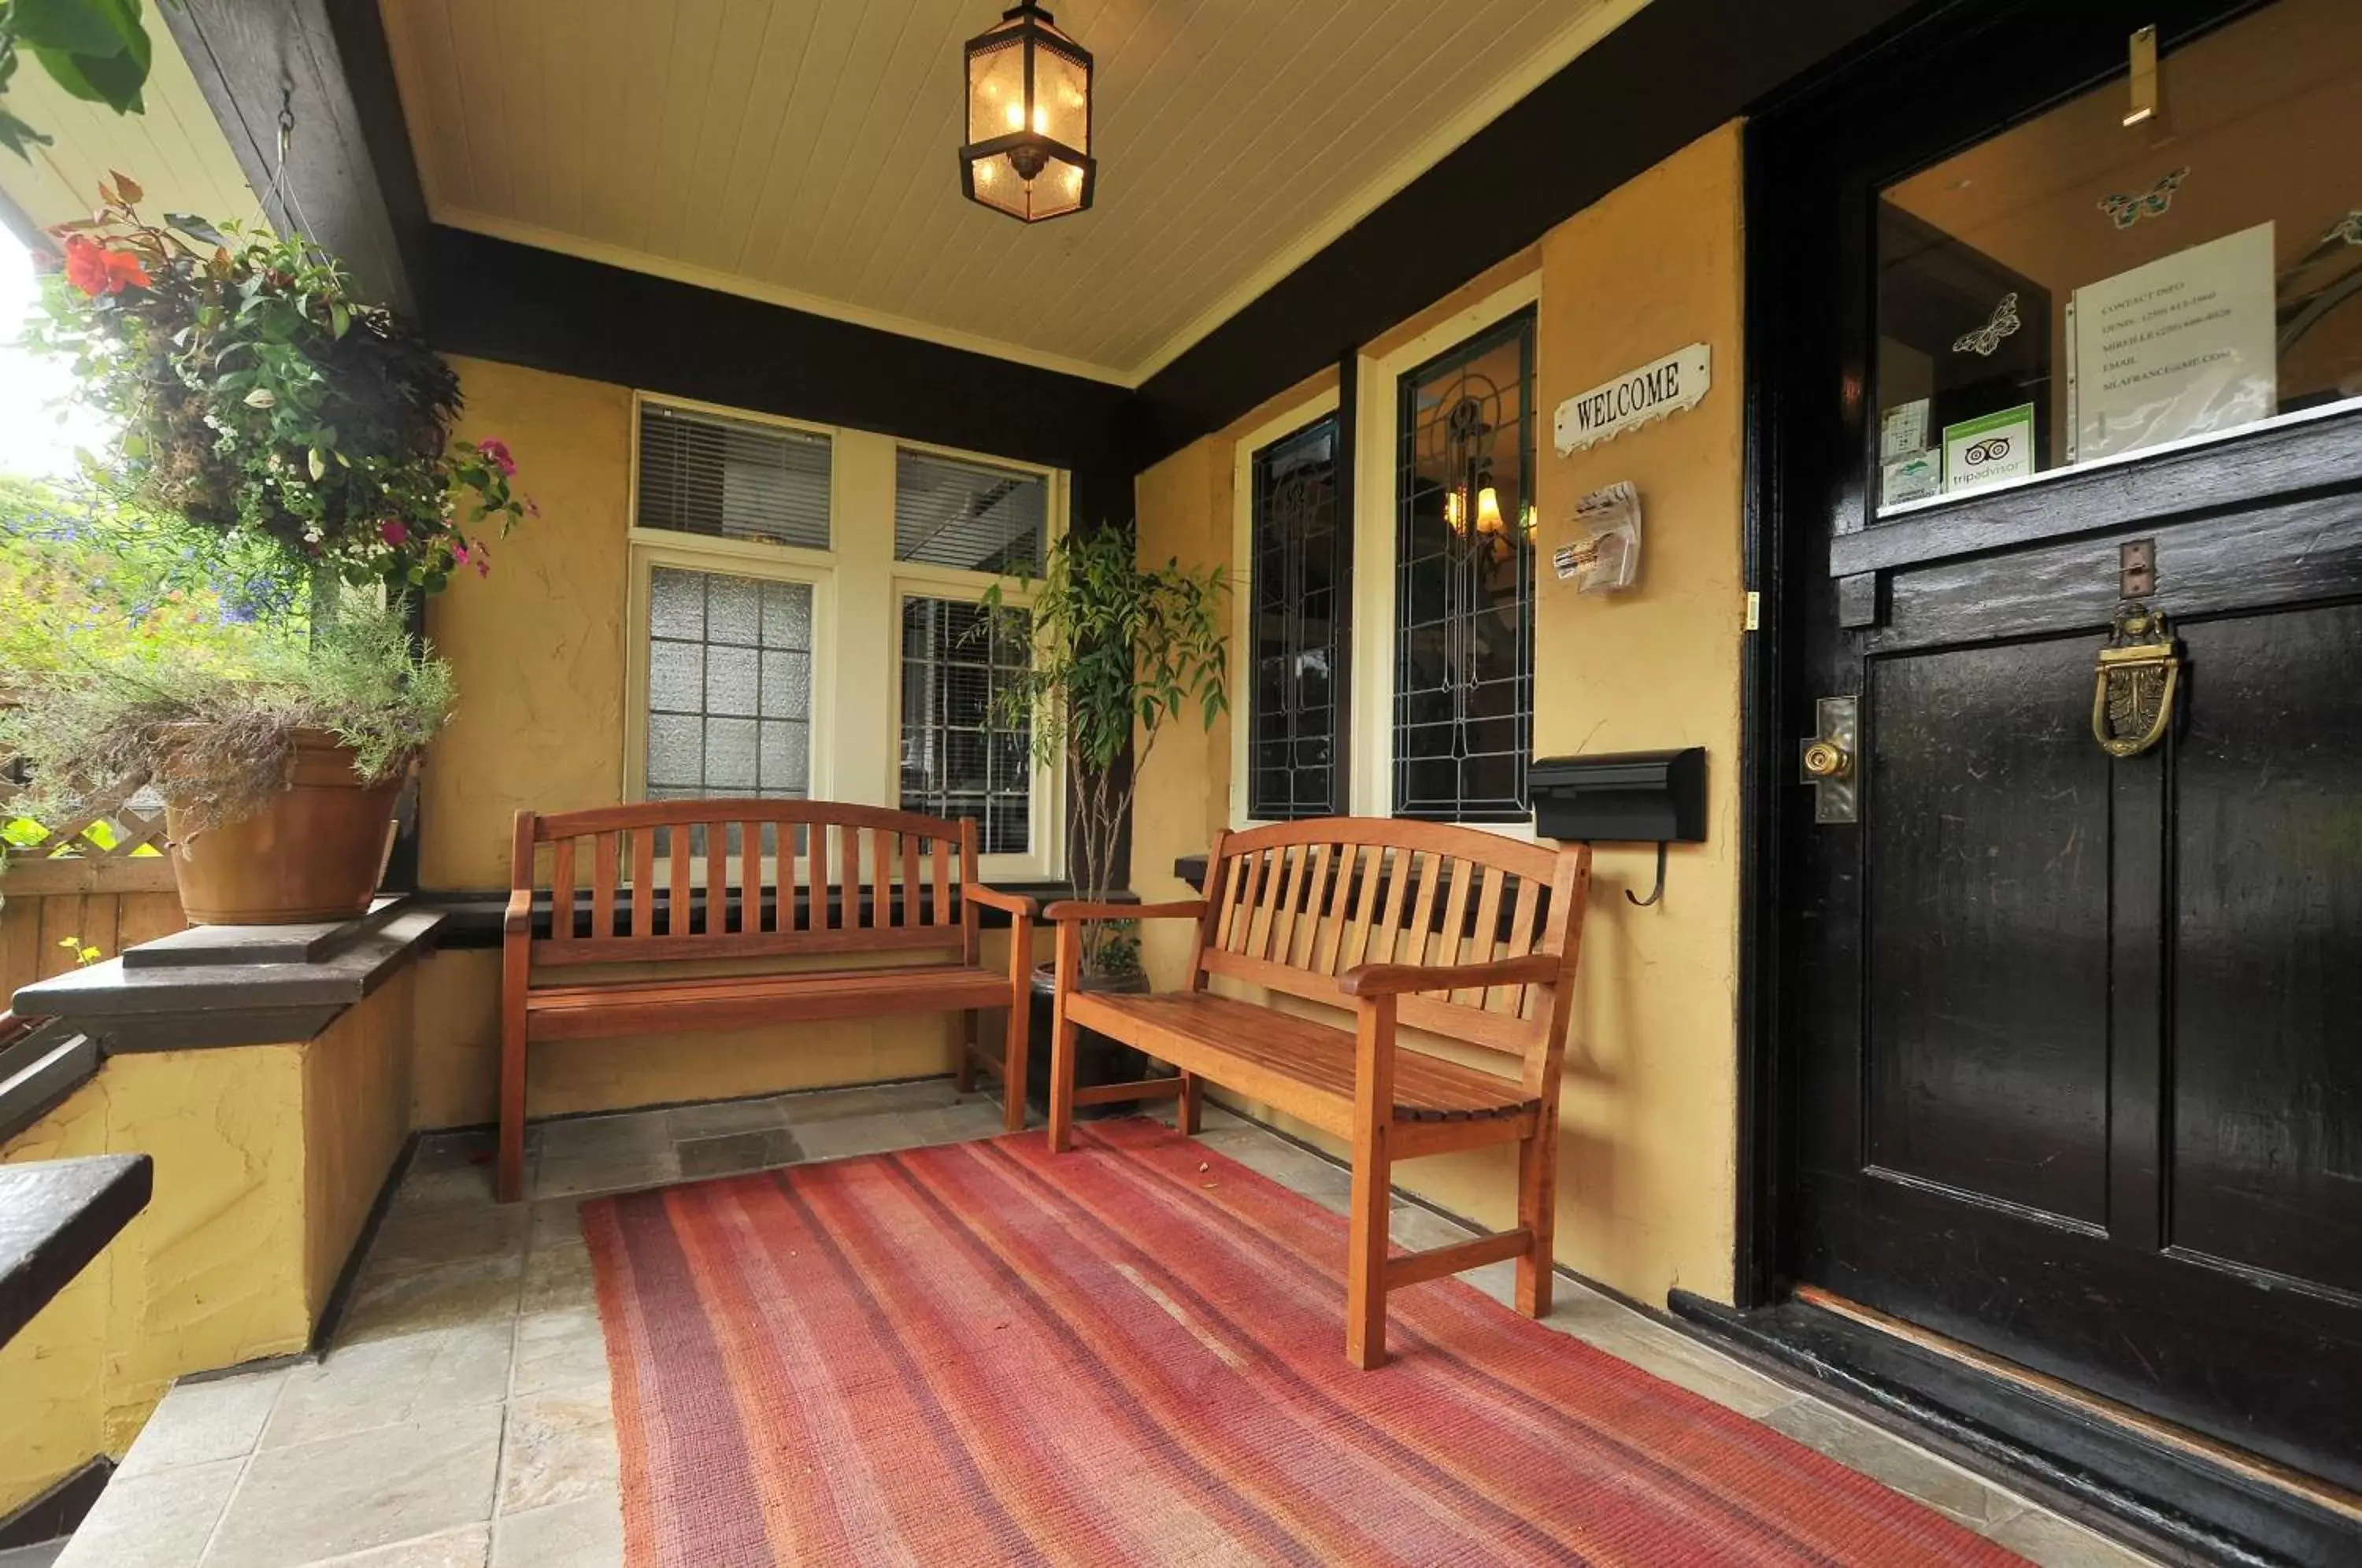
(2130, 269)
(1464, 581)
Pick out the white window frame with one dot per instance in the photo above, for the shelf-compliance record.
(1378, 389)
(1242, 596)
(858, 589)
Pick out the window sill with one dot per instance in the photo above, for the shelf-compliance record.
(472, 917)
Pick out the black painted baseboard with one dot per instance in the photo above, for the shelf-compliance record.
(2164, 1500)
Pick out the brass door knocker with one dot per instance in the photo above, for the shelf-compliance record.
(2133, 692)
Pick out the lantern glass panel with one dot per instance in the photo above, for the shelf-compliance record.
(997, 185)
(996, 90)
(1061, 99)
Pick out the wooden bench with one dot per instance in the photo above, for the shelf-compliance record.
(661, 888)
(1448, 931)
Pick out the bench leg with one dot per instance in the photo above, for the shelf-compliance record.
(1365, 1264)
(511, 1182)
(1014, 1066)
(1187, 1114)
(964, 1076)
(1537, 1215)
(1065, 1042)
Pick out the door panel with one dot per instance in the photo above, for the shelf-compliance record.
(2069, 1047)
(2267, 1101)
(1987, 926)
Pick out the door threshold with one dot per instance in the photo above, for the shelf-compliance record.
(2170, 1495)
(2268, 1472)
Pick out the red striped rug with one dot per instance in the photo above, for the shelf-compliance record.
(980, 1353)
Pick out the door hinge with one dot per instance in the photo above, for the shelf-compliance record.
(1754, 611)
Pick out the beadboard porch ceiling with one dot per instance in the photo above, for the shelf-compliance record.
(801, 151)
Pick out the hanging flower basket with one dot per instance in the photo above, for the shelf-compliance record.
(258, 396)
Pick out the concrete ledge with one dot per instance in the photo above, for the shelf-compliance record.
(56, 1215)
(214, 986)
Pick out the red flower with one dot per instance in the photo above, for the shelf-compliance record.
(96, 270)
(392, 533)
(459, 552)
(498, 451)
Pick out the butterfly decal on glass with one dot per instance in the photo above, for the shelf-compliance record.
(2347, 229)
(1986, 338)
(2126, 211)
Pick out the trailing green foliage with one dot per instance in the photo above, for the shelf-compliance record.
(96, 49)
(1120, 650)
(213, 724)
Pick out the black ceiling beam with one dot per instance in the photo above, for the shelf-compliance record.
(1669, 74)
(349, 182)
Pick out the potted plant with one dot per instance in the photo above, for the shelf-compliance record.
(278, 756)
(1121, 649)
(261, 404)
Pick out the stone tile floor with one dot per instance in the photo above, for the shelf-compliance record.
(461, 1419)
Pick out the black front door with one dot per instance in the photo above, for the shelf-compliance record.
(2071, 1043)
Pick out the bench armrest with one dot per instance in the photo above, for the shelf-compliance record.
(518, 920)
(993, 899)
(1077, 908)
(1394, 980)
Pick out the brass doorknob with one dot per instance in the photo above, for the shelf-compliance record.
(1826, 759)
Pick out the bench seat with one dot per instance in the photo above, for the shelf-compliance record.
(1265, 1054)
(748, 1001)
(1443, 944)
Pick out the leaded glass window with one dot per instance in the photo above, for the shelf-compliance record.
(1464, 581)
(1296, 588)
(730, 683)
(960, 758)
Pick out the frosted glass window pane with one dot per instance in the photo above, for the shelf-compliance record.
(726, 651)
(731, 675)
(675, 676)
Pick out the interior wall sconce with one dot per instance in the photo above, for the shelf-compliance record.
(1028, 151)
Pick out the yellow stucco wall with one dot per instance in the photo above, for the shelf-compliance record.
(540, 649)
(267, 1161)
(1647, 1183)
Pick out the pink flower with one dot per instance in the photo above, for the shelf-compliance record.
(392, 533)
(498, 451)
(459, 552)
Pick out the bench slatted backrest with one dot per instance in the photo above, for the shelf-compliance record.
(1292, 906)
(721, 877)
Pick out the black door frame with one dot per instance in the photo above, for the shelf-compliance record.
(1784, 398)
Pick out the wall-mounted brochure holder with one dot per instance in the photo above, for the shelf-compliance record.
(1607, 556)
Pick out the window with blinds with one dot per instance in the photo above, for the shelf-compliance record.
(960, 755)
(732, 479)
(970, 515)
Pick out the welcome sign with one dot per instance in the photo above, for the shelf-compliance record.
(1633, 399)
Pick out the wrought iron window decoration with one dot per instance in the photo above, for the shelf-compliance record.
(1464, 669)
(1028, 153)
(1296, 591)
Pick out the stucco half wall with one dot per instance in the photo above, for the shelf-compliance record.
(1649, 1128)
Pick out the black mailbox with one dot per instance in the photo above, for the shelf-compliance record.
(1638, 796)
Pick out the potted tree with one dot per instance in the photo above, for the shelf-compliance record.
(261, 403)
(279, 754)
(1120, 650)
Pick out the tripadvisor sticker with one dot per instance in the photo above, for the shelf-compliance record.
(1978, 452)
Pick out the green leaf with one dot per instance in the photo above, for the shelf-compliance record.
(17, 137)
(79, 26)
(319, 463)
(112, 80)
(197, 228)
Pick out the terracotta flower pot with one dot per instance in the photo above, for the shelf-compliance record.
(315, 852)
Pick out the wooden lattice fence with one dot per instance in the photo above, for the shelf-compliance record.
(101, 882)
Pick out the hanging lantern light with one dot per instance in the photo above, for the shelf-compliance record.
(1029, 119)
